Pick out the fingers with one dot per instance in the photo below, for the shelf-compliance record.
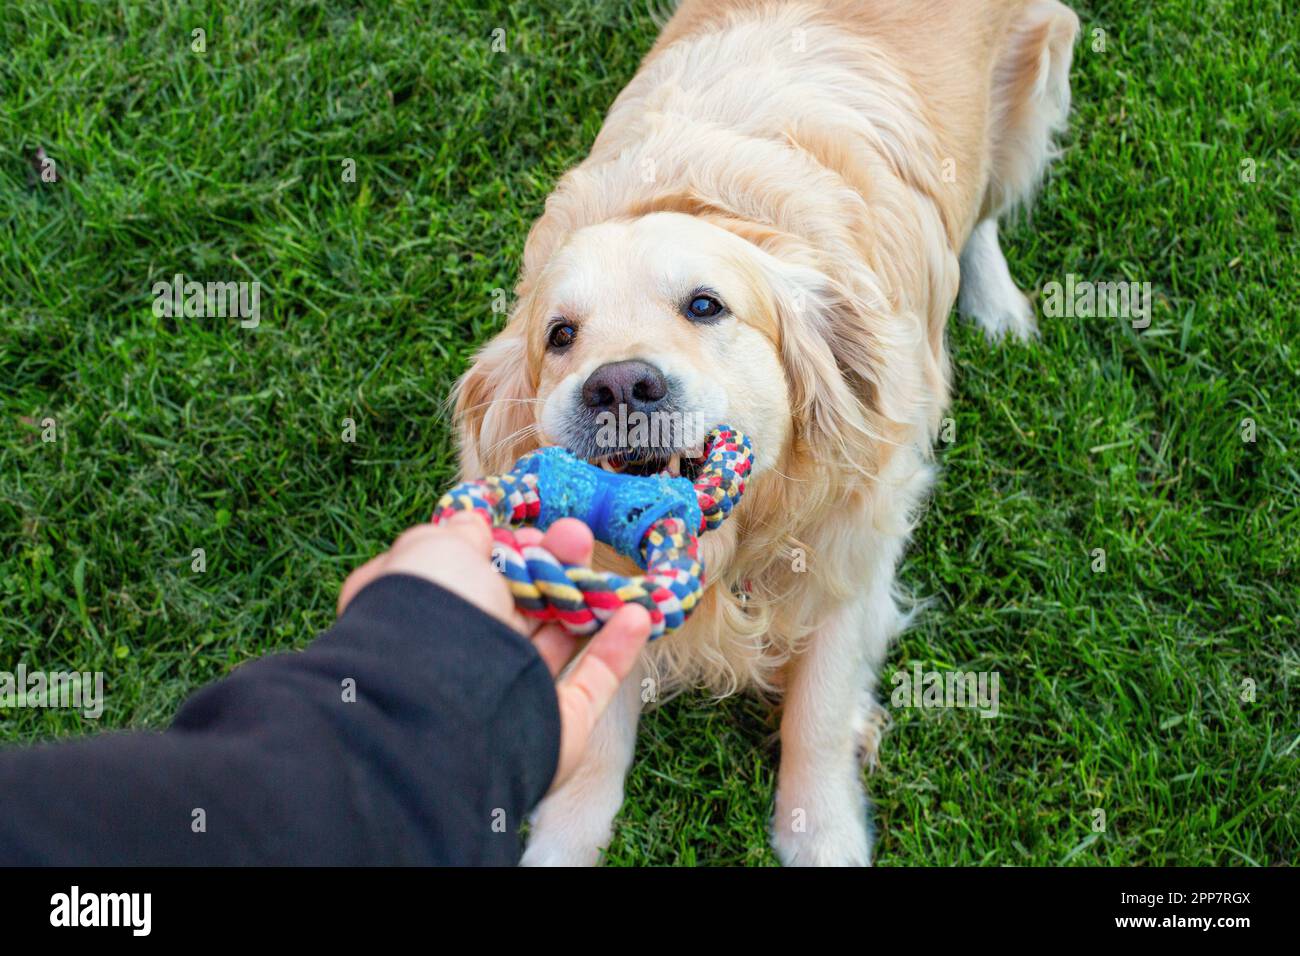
(556, 645)
(470, 527)
(610, 656)
(622, 632)
(529, 537)
(570, 541)
(587, 690)
(426, 540)
(463, 528)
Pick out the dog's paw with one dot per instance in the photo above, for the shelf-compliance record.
(987, 293)
(544, 852)
(822, 828)
(1006, 312)
(572, 826)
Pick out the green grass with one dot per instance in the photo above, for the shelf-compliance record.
(1121, 690)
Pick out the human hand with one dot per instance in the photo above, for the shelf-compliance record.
(457, 555)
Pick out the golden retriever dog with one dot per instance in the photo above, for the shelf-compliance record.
(770, 232)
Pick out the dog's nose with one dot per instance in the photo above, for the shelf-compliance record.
(638, 385)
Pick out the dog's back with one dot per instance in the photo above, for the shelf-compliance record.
(992, 75)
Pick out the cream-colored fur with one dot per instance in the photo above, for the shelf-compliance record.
(824, 166)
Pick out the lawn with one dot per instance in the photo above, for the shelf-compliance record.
(1163, 691)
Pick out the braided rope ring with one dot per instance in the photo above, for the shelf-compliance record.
(654, 520)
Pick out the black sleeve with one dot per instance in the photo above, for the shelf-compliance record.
(450, 736)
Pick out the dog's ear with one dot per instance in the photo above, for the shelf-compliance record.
(854, 365)
(495, 402)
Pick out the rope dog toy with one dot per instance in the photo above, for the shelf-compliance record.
(655, 520)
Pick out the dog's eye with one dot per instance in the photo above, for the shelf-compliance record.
(704, 306)
(561, 335)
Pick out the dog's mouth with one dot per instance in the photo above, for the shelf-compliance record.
(686, 463)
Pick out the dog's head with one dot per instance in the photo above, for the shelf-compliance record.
(638, 336)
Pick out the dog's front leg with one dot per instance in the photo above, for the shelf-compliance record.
(574, 823)
(821, 808)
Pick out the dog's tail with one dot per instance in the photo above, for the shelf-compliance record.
(1031, 102)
